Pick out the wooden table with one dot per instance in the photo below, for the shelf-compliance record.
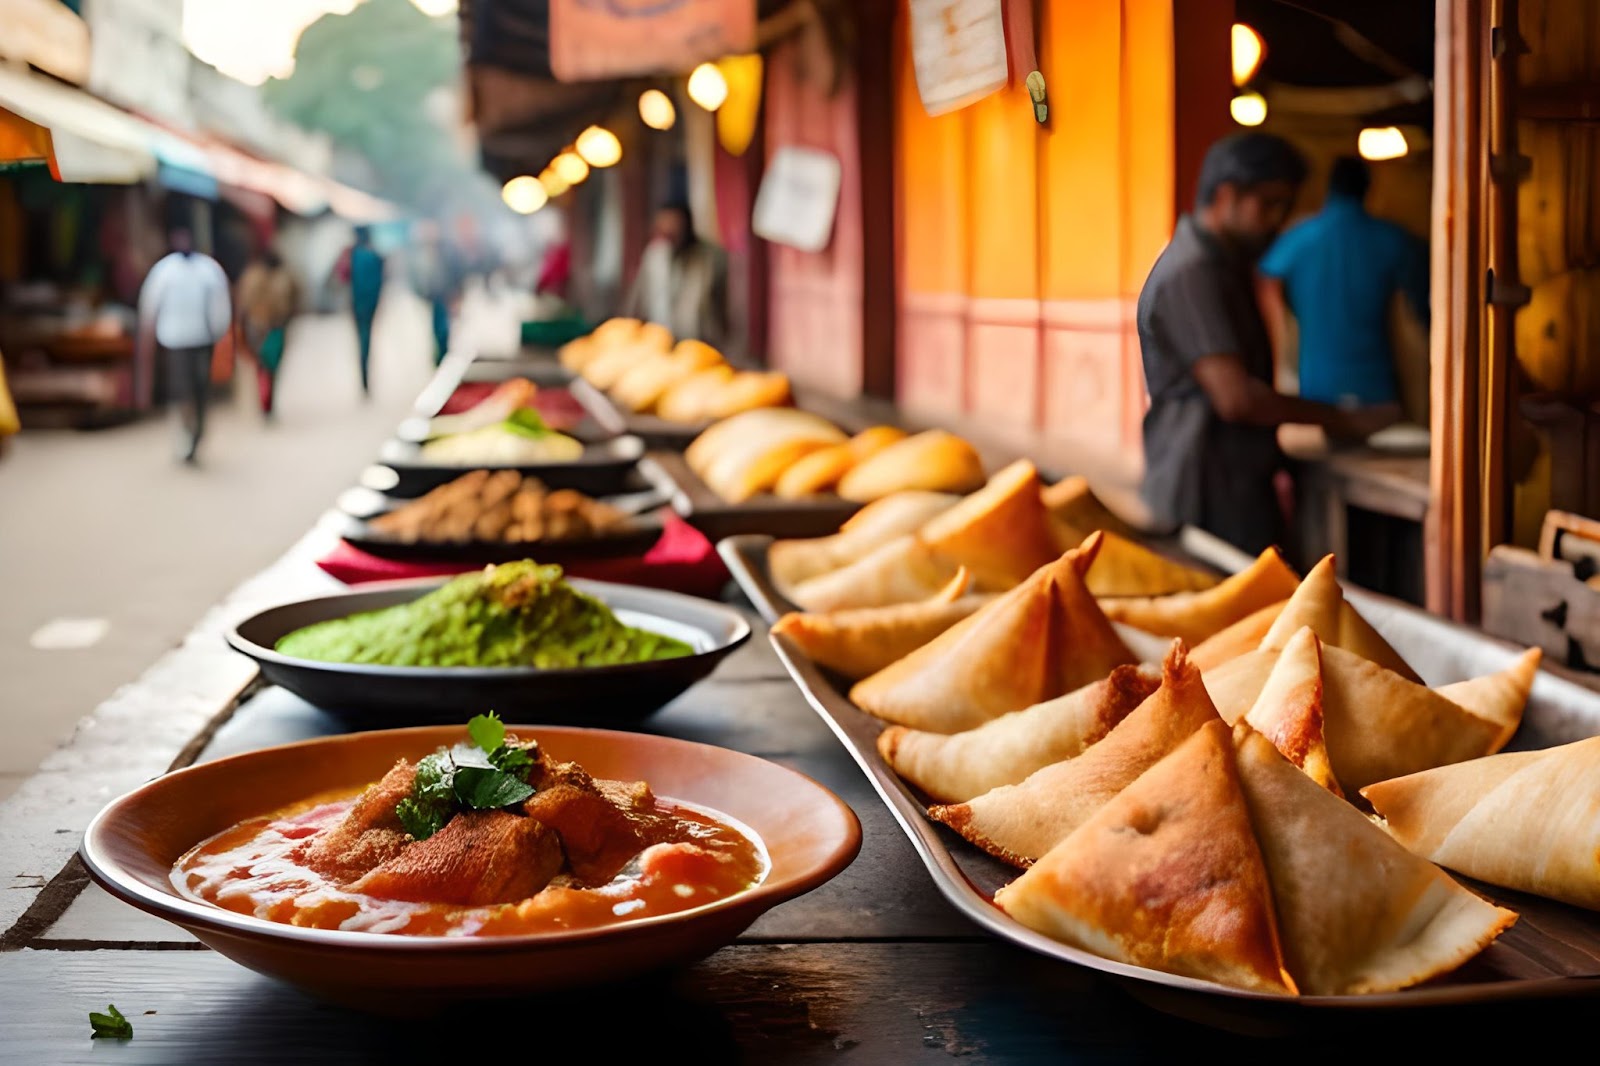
(873, 967)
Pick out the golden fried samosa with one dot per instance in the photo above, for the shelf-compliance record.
(1378, 725)
(862, 641)
(1357, 913)
(1499, 697)
(1075, 512)
(1042, 639)
(999, 533)
(1194, 616)
(792, 561)
(1289, 710)
(957, 767)
(1167, 875)
(1018, 823)
(1523, 820)
(1127, 568)
(1243, 636)
(1319, 603)
(904, 570)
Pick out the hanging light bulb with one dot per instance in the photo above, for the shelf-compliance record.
(570, 167)
(707, 86)
(1249, 109)
(524, 195)
(554, 184)
(656, 110)
(599, 147)
(1248, 51)
(1381, 142)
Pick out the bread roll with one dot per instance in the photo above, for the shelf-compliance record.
(689, 400)
(934, 460)
(746, 391)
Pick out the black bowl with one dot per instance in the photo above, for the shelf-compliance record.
(371, 697)
(601, 470)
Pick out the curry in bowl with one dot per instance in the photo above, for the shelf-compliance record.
(491, 837)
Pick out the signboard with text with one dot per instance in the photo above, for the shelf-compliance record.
(958, 48)
(798, 199)
(596, 39)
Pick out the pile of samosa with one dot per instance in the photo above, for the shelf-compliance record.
(1198, 815)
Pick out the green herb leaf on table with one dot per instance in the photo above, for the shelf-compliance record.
(486, 790)
(111, 1024)
(487, 731)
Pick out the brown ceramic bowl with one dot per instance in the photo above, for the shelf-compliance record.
(130, 847)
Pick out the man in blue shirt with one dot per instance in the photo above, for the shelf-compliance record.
(1338, 272)
(366, 285)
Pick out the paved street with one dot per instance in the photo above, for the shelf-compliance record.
(108, 525)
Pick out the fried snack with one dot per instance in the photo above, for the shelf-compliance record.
(746, 453)
(1243, 636)
(1194, 616)
(1075, 512)
(1167, 875)
(791, 562)
(863, 641)
(1041, 640)
(642, 386)
(746, 391)
(689, 400)
(614, 331)
(1378, 725)
(1319, 603)
(817, 472)
(502, 506)
(697, 354)
(999, 533)
(609, 367)
(578, 353)
(934, 460)
(1523, 820)
(1501, 697)
(1357, 913)
(902, 571)
(874, 439)
(1018, 823)
(955, 768)
(1289, 710)
(1127, 568)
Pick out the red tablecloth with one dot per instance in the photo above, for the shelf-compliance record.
(683, 560)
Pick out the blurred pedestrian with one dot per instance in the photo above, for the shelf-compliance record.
(1210, 440)
(1338, 273)
(682, 282)
(366, 285)
(435, 275)
(184, 307)
(268, 297)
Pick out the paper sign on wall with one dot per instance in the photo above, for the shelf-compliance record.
(595, 39)
(959, 50)
(798, 199)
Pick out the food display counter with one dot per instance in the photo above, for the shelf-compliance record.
(874, 966)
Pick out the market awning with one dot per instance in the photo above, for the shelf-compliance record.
(88, 139)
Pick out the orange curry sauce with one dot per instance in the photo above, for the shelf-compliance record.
(251, 869)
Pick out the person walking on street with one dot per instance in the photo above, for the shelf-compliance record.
(434, 275)
(267, 299)
(1210, 434)
(184, 307)
(682, 280)
(366, 285)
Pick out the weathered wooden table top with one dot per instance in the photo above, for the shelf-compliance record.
(873, 967)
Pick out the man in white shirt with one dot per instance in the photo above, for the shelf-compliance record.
(185, 305)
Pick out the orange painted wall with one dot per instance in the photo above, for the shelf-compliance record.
(1023, 248)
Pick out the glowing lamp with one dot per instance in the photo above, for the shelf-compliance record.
(707, 86)
(1381, 142)
(524, 194)
(1248, 109)
(599, 147)
(656, 110)
(1247, 52)
(570, 168)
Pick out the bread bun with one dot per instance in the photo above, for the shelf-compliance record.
(935, 460)
(748, 390)
(688, 400)
(817, 472)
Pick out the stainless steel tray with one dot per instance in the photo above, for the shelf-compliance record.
(1552, 952)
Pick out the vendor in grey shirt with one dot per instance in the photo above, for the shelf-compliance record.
(1210, 440)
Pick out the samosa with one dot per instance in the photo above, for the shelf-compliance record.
(863, 640)
(1042, 639)
(1194, 616)
(1166, 875)
(1524, 820)
(904, 570)
(1127, 568)
(1018, 823)
(1289, 710)
(999, 533)
(1357, 913)
(1320, 604)
(791, 562)
(959, 766)
(1075, 512)
(1243, 636)
(1499, 697)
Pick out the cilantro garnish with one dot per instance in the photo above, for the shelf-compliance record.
(487, 776)
(111, 1024)
(527, 422)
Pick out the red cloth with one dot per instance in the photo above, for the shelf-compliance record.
(683, 560)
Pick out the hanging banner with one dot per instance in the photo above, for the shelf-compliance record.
(959, 50)
(798, 199)
(596, 39)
